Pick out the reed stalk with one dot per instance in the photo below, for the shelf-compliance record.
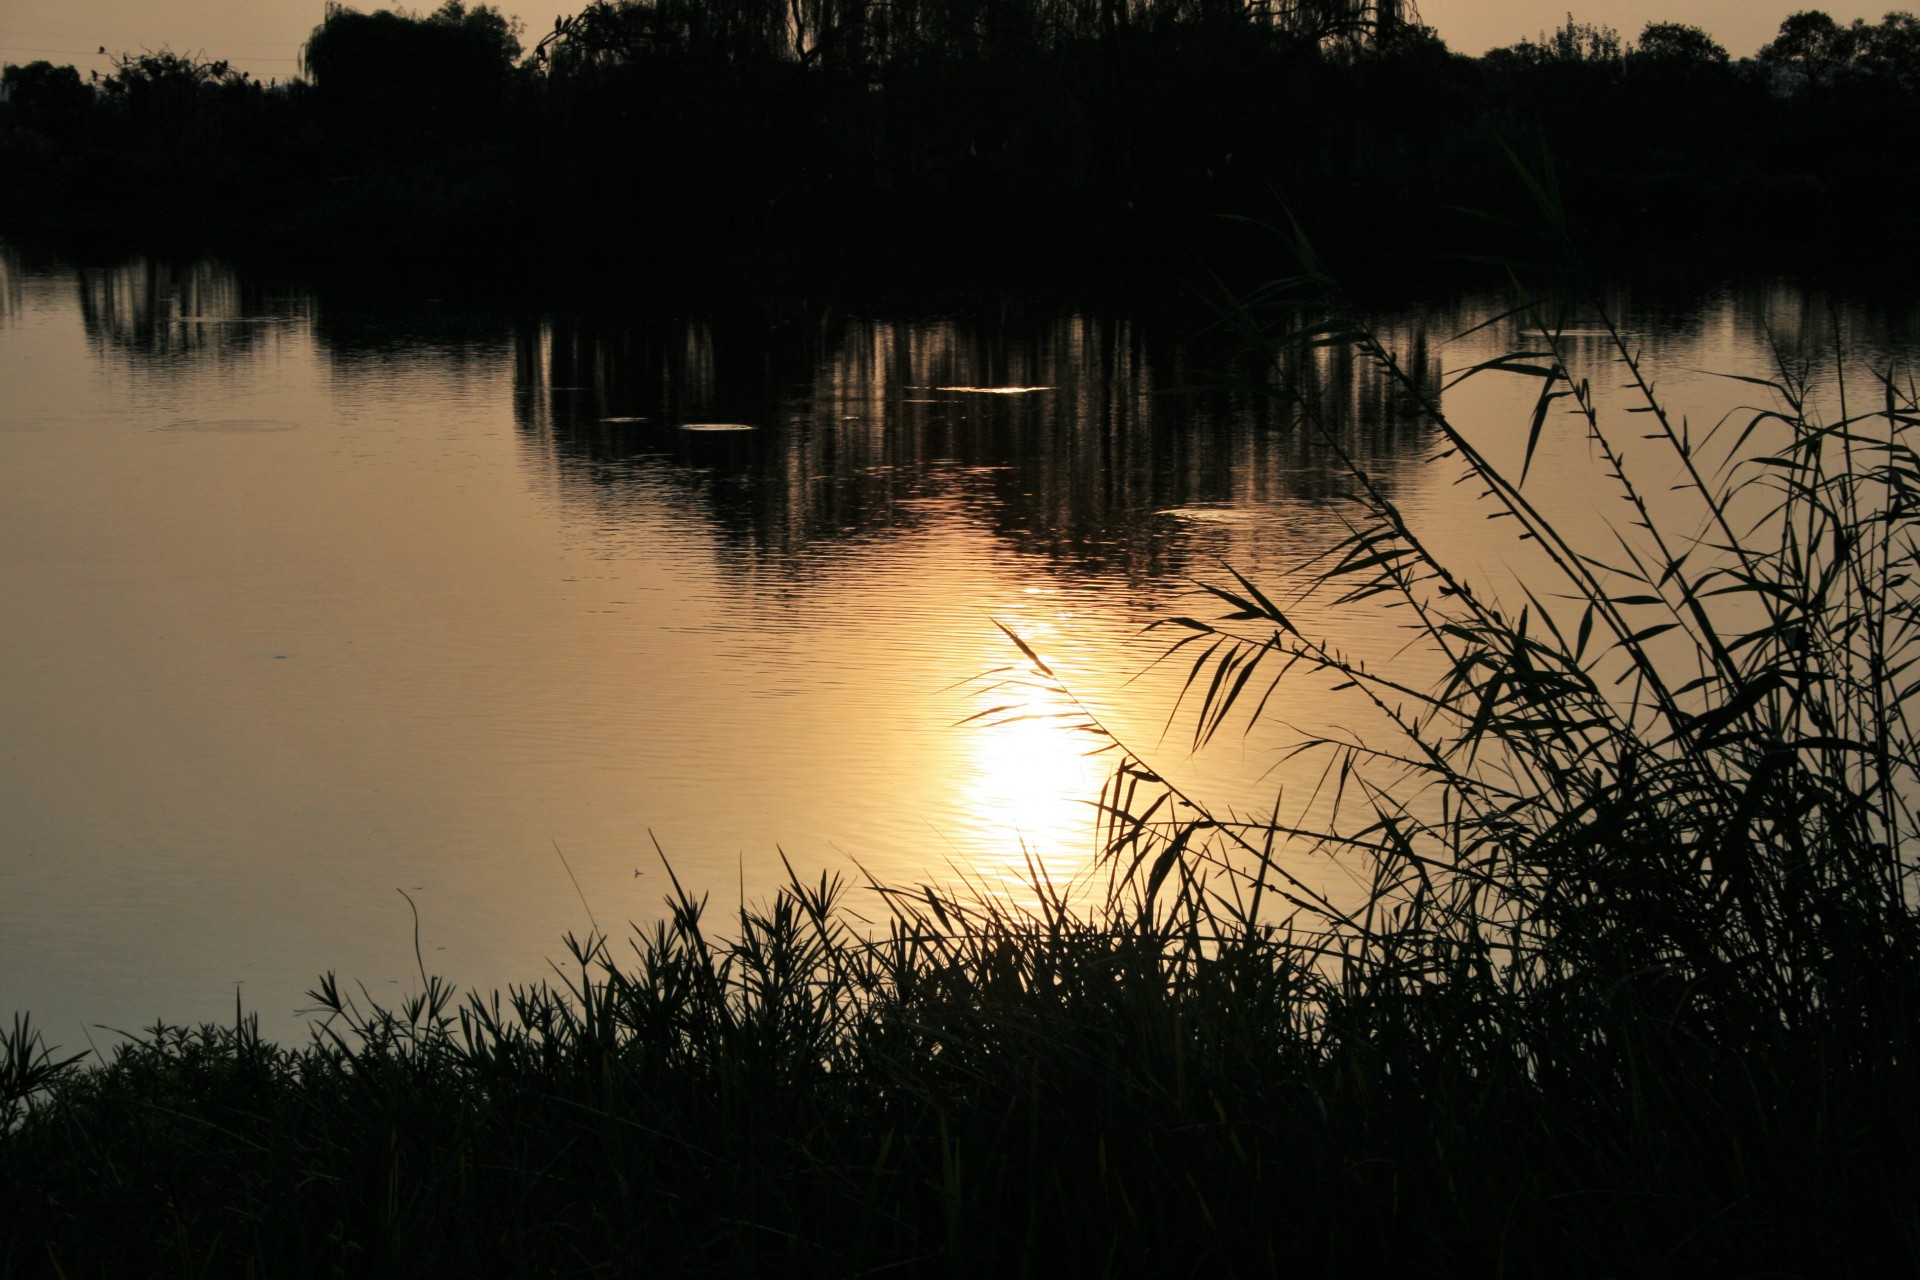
(1630, 990)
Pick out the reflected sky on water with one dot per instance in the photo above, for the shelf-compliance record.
(310, 599)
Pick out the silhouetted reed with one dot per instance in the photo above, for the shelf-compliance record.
(1628, 987)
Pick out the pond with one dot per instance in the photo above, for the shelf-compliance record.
(325, 606)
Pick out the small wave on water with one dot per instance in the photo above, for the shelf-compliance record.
(228, 426)
(234, 320)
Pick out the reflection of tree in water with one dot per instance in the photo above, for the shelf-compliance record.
(167, 313)
(11, 274)
(1878, 331)
(863, 430)
(1712, 324)
(371, 327)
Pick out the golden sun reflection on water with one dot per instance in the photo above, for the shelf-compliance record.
(1027, 774)
(298, 614)
(1022, 775)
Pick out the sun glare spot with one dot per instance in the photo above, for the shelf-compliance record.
(1029, 782)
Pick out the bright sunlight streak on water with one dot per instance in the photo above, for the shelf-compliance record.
(1024, 768)
(340, 598)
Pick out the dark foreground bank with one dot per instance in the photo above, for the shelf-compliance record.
(977, 1092)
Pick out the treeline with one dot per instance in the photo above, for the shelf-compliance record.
(1021, 131)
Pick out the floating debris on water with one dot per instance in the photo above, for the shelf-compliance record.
(995, 391)
(1209, 515)
(625, 418)
(715, 426)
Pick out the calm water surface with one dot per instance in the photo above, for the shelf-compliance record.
(305, 600)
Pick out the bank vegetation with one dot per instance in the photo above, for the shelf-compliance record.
(1024, 133)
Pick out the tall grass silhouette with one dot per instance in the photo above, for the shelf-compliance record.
(1629, 989)
(1677, 769)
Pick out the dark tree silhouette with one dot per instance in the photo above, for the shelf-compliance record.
(1572, 44)
(1811, 43)
(1678, 44)
(51, 101)
(174, 97)
(401, 84)
(1891, 50)
(1017, 133)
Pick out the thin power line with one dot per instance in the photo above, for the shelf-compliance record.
(94, 53)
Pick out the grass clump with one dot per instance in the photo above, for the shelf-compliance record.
(1630, 991)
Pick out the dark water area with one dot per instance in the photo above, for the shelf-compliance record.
(317, 591)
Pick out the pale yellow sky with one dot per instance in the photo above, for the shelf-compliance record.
(1474, 26)
(264, 36)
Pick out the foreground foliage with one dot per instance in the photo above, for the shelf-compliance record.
(978, 1091)
(1631, 991)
